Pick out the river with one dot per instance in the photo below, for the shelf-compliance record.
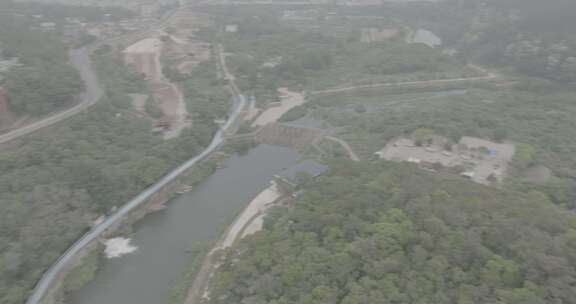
(164, 239)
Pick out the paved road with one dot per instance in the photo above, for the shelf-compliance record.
(80, 58)
(239, 102)
(93, 90)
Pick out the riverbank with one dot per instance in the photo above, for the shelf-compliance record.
(80, 59)
(248, 222)
(167, 238)
(152, 194)
(87, 268)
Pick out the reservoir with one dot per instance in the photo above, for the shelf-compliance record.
(164, 238)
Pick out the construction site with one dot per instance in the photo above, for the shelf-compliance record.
(480, 160)
(176, 49)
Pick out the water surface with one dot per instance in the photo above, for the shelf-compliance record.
(164, 239)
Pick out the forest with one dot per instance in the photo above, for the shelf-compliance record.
(531, 37)
(44, 81)
(535, 115)
(379, 232)
(55, 183)
(269, 52)
(364, 232)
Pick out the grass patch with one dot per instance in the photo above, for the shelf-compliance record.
(82, 274)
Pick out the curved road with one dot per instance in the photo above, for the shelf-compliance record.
(92, 95)
(45, 282)
(80, 58)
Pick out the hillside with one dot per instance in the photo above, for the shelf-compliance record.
(378, 232)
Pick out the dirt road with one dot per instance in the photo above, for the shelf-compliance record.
(353, 156)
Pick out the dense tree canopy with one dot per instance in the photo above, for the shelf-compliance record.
(534, 37)
(44, 81)
(55, 183)
(378, 232)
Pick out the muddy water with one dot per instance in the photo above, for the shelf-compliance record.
(164, 238)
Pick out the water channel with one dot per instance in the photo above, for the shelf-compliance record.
(164, 239)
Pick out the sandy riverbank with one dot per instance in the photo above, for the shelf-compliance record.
(256, 209)
(248, 222)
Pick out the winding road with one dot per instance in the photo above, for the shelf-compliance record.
(45, 282)
(80, 59)
(488, 76)
(93, 93)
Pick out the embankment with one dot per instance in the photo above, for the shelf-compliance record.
(153, 194)
(237, 230)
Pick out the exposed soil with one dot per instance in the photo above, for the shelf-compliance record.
(118, 247)
(249, 222)
(144, 57)
(289, 100)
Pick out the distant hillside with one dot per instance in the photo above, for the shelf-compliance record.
(534, 37)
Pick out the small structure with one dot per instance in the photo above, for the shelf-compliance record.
(370, 35)
(290, 179)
